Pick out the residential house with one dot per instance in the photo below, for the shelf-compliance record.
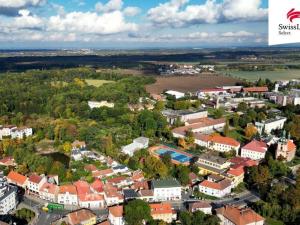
(112, 196)
(205, 207)
(82, 217)
(115, 215)
(49, 192)
(255, 150)
(67, 195)
(137, 144)
(94, 104)
(166, 189)
(231, 215)
(17, 179)
(146, 195)
(162, 211)
(216, 186)
(8, 161)
(35, 182)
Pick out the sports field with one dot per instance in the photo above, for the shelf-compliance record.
(97, 83)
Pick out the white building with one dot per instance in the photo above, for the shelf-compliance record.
(15, 132)
(35, 182)
(216, 186)
(67, 195)
(255, 150)
(49, 192)
(166, 190)
(175, 94)
(94, 104)
(183, 115)
(217, 143)
(209, 92)
(8, 197)
(272, 124)
(137, 144)
(91, 201)
(200, 206)
(115, 215)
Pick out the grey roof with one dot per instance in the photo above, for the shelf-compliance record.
(212, 158)
(130, 194)
(142, 140)
(170, 112)
(165, 183)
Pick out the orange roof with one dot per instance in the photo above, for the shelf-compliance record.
(291, 146)
(116, 180)
(101, 173)
(116, 211)
(80, 216)
(104, 223)
(256, 89)
(239, 161)
(90, 167)
(236, 171)
(7, 160)
(49, 188)
(240, 216)
(68, 188)
(218, 139)
(90, 197)
(137, 176)
(221, 185)
(82, 187)
(97, 185)
(257, 146)
(160, 208)
(16, 178)
(35, 178)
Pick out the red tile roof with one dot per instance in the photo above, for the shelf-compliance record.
(16, 178)
(240, 216)
(116, 211)
(49, 188)
(236, 171)
(221, 185)
(68, 188)
(199, 205)
(35, 178)
(160, 208)
(218, 139)
(90, 197)
(97, 185)
(82, 187)
(256, 89)
(90, 167)
(102, 173)
(240, 161)
(80, 216)
(257, 146)
(7, 161)
(291, 146)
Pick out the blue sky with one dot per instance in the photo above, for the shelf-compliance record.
(132, 23)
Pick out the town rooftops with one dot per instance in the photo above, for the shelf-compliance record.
(198, 205)
(35, 178)
(116, 211)
(218, 139)
(97, 185)
(165, 183)
(90, 197)
(130, 194)
(161, 208)
(208, 90)
(221, 185)
(82, 187)
(212, 158)
(256, 89)
(49, 188)
(239, 216)
(239, 161)
(67, 189)
(16, 178)
(257, 146)
(80, 216)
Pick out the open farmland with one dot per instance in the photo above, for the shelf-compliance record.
(189, 83)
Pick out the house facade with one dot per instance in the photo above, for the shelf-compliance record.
(166, 190)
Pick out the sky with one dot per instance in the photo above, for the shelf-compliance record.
(132, 24)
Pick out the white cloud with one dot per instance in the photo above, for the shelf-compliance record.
(20, 3)
(177, 13)
(110, 6)
(131, 11)
(91, 23)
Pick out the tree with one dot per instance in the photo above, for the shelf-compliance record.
(235, 120)
(250, 131)
(242, 107)
(181, 142)
(190, 139)
(295, 127)
(185, 218)
(182, 173)
(218, 113)
(226, 129)
(136, 212)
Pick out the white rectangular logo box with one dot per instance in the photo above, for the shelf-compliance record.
(284, 21)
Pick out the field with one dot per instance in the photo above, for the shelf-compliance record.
(189, 83)
(97, 83)
(272, 75)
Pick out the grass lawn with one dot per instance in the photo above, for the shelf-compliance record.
(294, 162)
(270, 221)
(98, 83)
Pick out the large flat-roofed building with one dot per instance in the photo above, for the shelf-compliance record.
(175, 94)
(166, 189)
(210, 163)
(268, 126)
(183, 115)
